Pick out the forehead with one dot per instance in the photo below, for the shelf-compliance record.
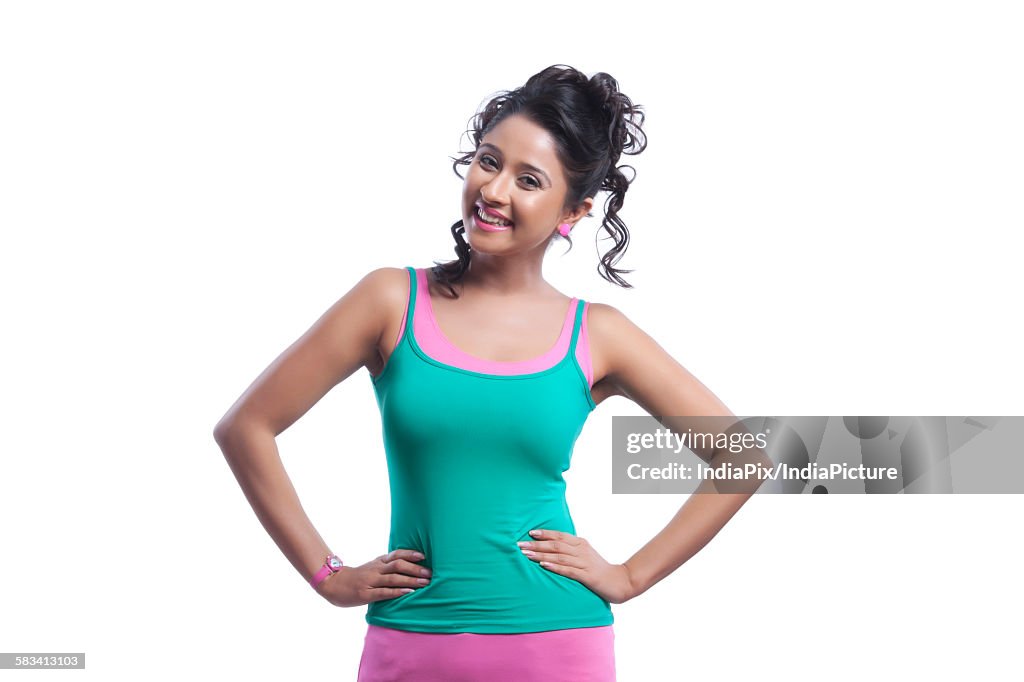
(523, 141)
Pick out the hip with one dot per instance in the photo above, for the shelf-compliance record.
(514, 596)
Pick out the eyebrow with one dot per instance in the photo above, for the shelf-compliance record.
(525, 165)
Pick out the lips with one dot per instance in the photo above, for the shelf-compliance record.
(487, 227)
(493, 213)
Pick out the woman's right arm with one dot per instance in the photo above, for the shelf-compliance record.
(344, 339)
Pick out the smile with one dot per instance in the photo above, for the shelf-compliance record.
(484, 222)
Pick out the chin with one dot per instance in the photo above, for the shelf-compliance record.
(475, 248)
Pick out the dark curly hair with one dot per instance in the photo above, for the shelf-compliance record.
(592, 124)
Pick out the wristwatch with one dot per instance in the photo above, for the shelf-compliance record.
(332, 564)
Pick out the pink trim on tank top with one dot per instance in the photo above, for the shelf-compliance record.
(583, 348)
(435, 344)
(571, 655)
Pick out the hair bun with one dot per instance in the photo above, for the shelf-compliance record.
(623, 118)
(603, 89)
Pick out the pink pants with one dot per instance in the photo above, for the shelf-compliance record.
(576, 655)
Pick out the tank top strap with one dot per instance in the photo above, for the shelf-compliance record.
(576, 326)
(410, 311)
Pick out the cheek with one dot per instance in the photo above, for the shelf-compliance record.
(473, 181)
(540, 210)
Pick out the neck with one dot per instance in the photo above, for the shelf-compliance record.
(506, 275)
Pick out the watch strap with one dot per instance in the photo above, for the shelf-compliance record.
(327, 569)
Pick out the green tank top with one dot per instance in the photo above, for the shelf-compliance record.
(475, 461)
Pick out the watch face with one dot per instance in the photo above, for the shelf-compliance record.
(334, 562)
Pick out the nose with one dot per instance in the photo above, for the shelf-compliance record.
(495, 190)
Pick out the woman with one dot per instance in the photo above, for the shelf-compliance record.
(484, 375)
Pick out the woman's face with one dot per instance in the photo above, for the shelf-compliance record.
(516, 173)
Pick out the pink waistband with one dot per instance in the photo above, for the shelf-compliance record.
(573, 655)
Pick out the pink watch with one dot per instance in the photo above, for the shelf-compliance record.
(332, 564)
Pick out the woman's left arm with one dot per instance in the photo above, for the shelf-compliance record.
(631, 364)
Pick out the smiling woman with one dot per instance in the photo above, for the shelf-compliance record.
(484, 376)
(468, 493)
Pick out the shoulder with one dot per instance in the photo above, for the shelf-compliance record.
(373, 301)
(606, 323)
(613, 338)
(616, 338)
(347, 335)
(386, 286)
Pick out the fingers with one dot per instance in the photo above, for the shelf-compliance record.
(570, 560)
(406, 554)
(556, 547)
(397, 574)
(553, 546)
(402, 566)
(401, 561)
(391, 585)
(382, 593)
(557, 536)
(546, 534)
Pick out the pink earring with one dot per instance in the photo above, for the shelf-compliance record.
(563, 229)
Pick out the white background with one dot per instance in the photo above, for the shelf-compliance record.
(826, 221)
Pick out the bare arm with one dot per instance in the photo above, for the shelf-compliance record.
(344, 339)
(636, 367)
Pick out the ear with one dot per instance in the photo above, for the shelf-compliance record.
(580, 212)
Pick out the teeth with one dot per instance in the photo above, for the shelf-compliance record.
(490, 219)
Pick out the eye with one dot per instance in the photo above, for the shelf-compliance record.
(490, 162)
